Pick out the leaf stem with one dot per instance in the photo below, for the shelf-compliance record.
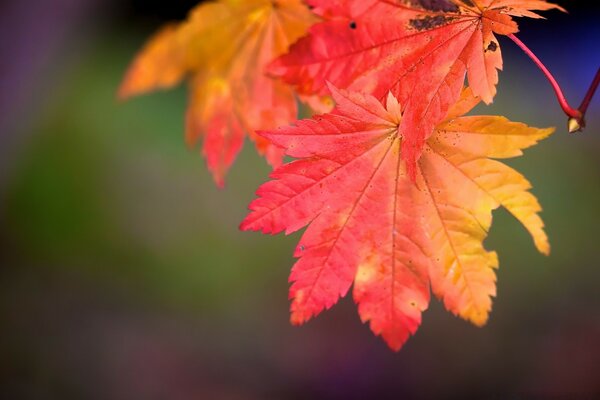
(576, 116)
(564, 104)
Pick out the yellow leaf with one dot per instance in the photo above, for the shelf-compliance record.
(224, 47)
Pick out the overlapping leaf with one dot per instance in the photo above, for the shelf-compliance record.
(420, 50)
(371, 225)
(223, 48)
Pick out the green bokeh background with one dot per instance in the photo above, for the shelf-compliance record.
(124, 275)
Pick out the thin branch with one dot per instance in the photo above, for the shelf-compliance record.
(590, 93)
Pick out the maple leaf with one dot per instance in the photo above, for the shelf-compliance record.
(223, 47)
(370, 225)
(421, 50)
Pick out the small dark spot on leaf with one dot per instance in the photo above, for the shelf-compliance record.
(352, 25)
(429, 22)
(493, 46)
(469, 3)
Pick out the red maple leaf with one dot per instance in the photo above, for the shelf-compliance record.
(371, 225)
(420, 50)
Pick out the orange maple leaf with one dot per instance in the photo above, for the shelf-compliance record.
(371, 225)
(223, 48)
(421, 50)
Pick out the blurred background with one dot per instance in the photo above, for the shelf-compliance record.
(124, 276)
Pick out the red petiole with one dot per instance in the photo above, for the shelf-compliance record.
(576, 115)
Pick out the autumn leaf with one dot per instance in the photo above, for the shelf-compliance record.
(370, 225)
(222, 50)
(420, 50)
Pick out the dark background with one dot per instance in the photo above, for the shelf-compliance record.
(123, 274)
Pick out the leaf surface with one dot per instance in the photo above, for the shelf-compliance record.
(223, 48)
(420, 50)
(370, 225)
